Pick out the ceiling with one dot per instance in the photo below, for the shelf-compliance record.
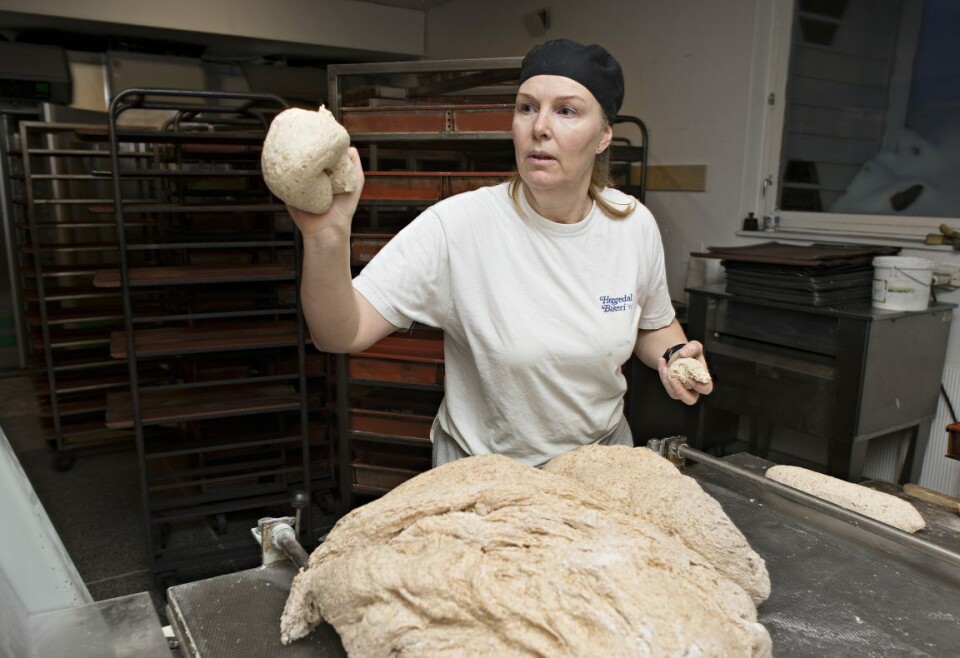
(409, 4)
(93, 36)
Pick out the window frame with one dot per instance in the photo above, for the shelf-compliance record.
(774, 44)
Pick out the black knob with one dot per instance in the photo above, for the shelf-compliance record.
(300, 499)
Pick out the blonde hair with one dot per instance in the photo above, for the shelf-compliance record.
(599, 178)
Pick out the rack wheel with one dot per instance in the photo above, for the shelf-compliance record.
(326, 501)
(160, 534)
(221, 524)
(63, 462)
(167, 579)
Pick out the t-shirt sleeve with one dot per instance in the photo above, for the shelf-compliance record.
(657, 309)
(408, 280)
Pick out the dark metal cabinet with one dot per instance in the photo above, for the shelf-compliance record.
(843, 375)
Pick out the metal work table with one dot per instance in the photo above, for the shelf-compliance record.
(837, 589)
(123, 627)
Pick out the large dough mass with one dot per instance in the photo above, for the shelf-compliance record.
(487, 557)
(649, 486)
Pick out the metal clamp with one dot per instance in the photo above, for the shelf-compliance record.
(669, 448)
(265, 532)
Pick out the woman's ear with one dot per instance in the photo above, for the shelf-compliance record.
(606, 136)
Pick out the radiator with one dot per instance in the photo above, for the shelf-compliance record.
(939, 473)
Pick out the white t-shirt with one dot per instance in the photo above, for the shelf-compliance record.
(538, 317)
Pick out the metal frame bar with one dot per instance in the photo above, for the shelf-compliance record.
(38, 281)
(9, 229)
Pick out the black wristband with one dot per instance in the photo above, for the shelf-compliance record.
(673, 350)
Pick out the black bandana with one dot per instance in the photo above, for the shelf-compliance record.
(591, 66)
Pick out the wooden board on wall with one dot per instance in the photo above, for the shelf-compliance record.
(672, 178)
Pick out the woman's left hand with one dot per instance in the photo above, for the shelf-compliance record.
(676, 390)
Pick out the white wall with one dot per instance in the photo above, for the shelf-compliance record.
(696, 73)
(689, 73)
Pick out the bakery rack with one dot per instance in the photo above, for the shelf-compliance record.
(236, 425)
(61, 245)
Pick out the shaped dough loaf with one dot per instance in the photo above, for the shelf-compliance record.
(304, 159)
(875, 504)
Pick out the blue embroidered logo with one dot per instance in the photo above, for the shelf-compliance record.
(615, 304)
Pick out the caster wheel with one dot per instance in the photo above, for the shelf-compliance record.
(160, 535)
(221, 524)
(62, 463)
(327, 503)
(167, 579)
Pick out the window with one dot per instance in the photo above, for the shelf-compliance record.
(866, 140)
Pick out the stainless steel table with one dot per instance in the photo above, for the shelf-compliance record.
(838, 590)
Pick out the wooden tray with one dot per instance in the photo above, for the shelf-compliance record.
(428, 119)
(400, 360)
(384, 471)
(162, 276)
(953, 441)
(425, 186)
(200, 404)
(390, 424)
(364, 246)
(394, 412)
(206, 338)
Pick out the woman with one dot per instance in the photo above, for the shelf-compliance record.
(543, 286)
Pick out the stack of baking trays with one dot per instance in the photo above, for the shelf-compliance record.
(426, 131)
(813, 275)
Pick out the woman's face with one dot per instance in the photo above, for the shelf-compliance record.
(558, 130)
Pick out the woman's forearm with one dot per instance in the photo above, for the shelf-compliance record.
(326, 291)
(652, 343)
(339, 319)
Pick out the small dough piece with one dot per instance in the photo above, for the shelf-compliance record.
(648, 486)
(304, 159)
(343, 176)
(877, 505)
(689, 372)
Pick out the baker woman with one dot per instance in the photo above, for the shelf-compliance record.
(543, 285)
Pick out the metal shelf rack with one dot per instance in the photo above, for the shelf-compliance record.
(61, 246)
(242, 432)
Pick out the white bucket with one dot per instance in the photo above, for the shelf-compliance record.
(901, 283)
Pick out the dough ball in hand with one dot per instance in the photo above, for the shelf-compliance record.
(689, 372)
(305, 161)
